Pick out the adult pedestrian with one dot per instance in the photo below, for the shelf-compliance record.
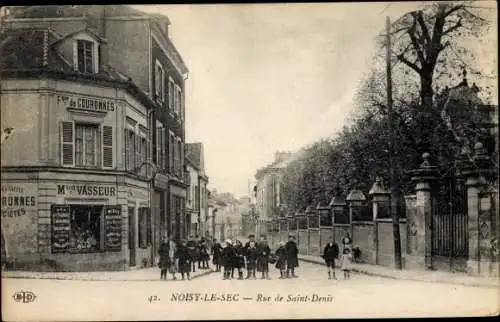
(185, 259)
(263, 260)
(164, 260)
(292, 260)
(330, 254)
(217, 255)
(281, 259)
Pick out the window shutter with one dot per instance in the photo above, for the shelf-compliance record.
(127, 149)
(163, 148)
(76, 48)
(67, 144)
(107, 146)
(158, 146)
(137, 143)
(149, 230)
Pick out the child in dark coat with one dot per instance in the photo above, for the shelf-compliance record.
(263, 259)
(217, 255)
(281, 262)
(330, 254)
(251, 255)
(239, 260)
(184, 257)
(227, 259)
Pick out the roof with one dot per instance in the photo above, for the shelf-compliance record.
(87, 30)
(24, 51)
(65, 11)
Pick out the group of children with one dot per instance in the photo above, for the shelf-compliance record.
(255, 257)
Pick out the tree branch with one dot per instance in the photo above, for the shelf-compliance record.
(452, 28)
(453, 9)
(409, 64)
(414, 41)
(425, 30)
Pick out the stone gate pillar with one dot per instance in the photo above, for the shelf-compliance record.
(481, 213)
(420, 221)
(380, 199)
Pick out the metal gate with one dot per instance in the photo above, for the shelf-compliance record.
(450, 238)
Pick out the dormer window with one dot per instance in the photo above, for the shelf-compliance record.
(85, 56)
(86, 51)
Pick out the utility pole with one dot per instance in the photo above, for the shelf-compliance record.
(392, 208)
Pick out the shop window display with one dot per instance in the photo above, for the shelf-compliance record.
(85, 224)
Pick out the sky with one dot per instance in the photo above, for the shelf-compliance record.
(268, 77)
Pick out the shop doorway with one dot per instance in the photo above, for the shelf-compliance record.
(131, 235)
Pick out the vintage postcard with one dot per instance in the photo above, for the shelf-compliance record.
(249, 161)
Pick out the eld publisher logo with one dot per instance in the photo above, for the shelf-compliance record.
(24, 297)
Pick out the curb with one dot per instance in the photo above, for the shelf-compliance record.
(100, 279)
(405, 278)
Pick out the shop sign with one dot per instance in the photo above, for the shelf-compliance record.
(87, 103)
(113, 228)
(18, 199)
(61, 228)
(86, 190)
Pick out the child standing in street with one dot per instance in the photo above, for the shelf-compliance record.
(281, 262)
(251, 254)
(346, 263)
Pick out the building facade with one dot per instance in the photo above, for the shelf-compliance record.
(197, 193)
(70, 194)
(86, 41)
(268, 199)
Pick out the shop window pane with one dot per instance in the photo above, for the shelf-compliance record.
(85, 225)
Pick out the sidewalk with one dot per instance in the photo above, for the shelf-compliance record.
(143, 274)
(414, 275)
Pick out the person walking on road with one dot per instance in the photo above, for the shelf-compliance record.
(281, 259)
(263, 260)
(292, 259)
(251, 254)
(185, 259)
(330, 254)
(346, 263)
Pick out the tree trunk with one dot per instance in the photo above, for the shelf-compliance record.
(428, 125)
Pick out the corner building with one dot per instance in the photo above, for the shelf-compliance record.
(93, 114)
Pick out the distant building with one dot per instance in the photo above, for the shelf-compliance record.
(197, 194)
(268, 187)
(227, 216)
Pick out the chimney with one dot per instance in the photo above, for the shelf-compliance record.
(103, 53)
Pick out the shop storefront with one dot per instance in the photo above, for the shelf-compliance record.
(78, 224)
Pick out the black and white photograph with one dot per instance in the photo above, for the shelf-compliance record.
(249, 161)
